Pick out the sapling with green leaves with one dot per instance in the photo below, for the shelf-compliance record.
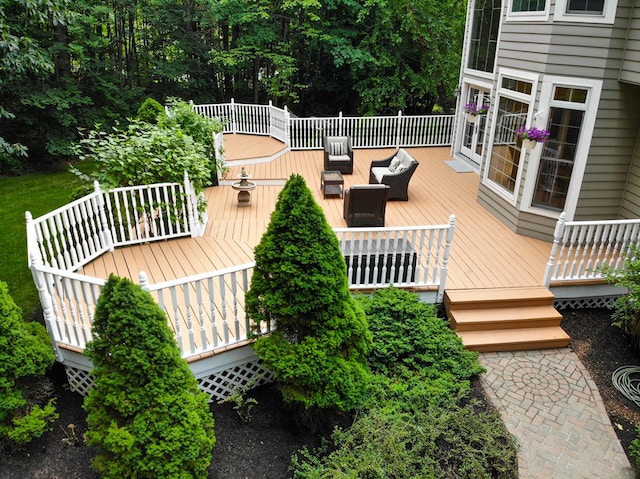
(146, 416)
(318, 352)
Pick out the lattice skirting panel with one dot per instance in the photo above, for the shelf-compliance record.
(80, 381)
(238, 378)
(218, 385)
(584, 303)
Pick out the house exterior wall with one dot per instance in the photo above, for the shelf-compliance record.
(630, 207)
(593, 51)
(630, 71)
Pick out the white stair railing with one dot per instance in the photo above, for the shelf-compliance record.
(582, 248)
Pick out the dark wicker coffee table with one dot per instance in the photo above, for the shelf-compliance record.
(331, 183)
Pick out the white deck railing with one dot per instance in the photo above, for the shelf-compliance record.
(307, 133)
(582, 248)
(206, 311)
(77, 233)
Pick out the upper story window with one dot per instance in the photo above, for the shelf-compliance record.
(528, 10)
(586, 11)
(484, 35)
(528, 5)
(593, 7)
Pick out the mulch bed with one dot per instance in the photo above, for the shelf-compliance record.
(261, 448)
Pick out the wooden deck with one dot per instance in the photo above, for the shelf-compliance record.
(485, 253)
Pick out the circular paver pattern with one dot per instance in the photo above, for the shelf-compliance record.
(542, 381)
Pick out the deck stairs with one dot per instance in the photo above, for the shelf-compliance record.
(505, 319)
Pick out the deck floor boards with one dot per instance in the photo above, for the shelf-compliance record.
(485, 253)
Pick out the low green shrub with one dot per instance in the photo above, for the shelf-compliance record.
(419, 422)
(433, 444)
(25, 356)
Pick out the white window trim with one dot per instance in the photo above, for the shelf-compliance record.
(533, 78)
(608, 16)
(575, 184)
(539, 16)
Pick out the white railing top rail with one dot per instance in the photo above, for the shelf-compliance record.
(307, 133)
(581, 249)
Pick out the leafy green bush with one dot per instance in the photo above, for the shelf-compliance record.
(626, 313)
(25, 356)
(146, 416)
(318, 352)
(144, 153)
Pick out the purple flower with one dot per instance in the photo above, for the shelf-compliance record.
(473, 109)
(533, 134)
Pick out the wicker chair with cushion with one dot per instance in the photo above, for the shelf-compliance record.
(365, 205)
(338, 154)
(395, 171)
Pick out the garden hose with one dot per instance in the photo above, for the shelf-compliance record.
(624, 381)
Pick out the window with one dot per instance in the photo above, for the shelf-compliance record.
(505, 152)
(593, 7)
(528, 5)
(559, 154)
(484, 35)
(586, 11)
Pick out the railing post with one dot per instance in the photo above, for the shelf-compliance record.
(143, 280)
(340, 124)
(232, 110)
(46, 303)
(445, 258)
(105, 230)
(398, 128)
(558, 233)
(32, 242)
(287, 127)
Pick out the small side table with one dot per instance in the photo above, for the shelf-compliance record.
(331, 183)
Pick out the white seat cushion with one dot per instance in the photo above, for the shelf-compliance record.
(379, 172)
(339, 158)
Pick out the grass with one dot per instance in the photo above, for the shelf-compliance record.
(38, 193)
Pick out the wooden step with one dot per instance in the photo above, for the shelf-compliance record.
(504, 318)
(518, 339)
(490, 298)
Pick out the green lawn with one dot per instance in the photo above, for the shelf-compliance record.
(38, 193)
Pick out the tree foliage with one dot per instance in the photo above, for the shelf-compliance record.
(318, 352)
(146, 416)
(70, 65)
(25, 356)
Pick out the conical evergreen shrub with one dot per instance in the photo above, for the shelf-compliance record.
(146, 416)
(319, 351)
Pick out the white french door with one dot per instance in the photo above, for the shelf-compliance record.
(473, 133)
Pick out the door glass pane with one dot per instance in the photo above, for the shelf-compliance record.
(484, 35)
(505, 153)
(557, 159)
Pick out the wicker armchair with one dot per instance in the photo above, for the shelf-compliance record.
(396, 173)
(365, 205)
(338, 154)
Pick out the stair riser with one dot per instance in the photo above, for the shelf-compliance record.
(504, 324)
(498, 303)
(490, 348)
